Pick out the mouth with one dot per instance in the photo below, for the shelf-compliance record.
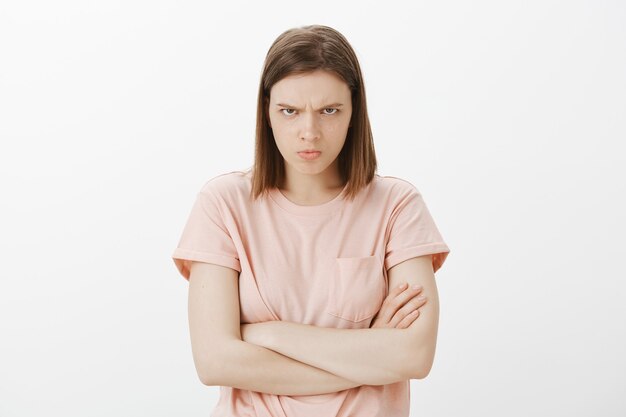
(309, 155)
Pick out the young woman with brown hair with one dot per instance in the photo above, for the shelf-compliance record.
(295, 265)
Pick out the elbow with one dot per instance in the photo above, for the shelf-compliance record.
(422, 371)
(216, 369)
(210, 368)
(210, 374)
(204, 380)
(207, 373)
(425, 364)
(207, 378)
(421, 359)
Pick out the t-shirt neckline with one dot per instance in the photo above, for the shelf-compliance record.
(314, 210)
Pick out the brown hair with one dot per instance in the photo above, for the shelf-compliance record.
(302, 50)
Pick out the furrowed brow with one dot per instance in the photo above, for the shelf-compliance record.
(289, 106)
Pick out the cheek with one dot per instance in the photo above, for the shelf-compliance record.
(336, 131)
(281, 132)
(281, 127)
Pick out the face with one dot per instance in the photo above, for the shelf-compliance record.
(310, 112)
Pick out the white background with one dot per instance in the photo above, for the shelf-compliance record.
(508, 116)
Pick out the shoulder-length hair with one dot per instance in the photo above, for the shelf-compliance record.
(302, 50)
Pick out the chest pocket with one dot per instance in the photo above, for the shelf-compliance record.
(356, 289)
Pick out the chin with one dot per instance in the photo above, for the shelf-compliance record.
(315, 168)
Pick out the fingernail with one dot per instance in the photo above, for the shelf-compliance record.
(402, 285)
(417, 287)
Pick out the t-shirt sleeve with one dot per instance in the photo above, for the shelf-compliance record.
(413, 232)
(205, 237)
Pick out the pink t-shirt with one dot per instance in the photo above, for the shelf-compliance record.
(320, 265)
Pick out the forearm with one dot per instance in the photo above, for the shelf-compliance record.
(249, 366)
(375, 356)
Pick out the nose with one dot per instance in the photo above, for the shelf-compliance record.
(310, 129)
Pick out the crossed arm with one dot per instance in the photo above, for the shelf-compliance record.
(368, 356)
(373, 356)
(296, 359)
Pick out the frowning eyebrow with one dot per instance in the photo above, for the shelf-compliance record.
(295, 108)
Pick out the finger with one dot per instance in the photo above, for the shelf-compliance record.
(398, 297)
(401, 299)
(415, 303)
(408, 319)
(389, 307)
(407, 294)
(399, 289)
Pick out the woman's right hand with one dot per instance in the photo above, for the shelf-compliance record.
(399, 309)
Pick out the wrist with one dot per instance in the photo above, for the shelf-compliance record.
(258, 333)
(268, 335)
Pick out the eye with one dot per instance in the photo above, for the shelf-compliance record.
(292, 111)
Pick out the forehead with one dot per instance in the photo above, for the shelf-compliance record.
(317, 85)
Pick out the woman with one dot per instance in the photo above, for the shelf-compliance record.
(295, 265)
